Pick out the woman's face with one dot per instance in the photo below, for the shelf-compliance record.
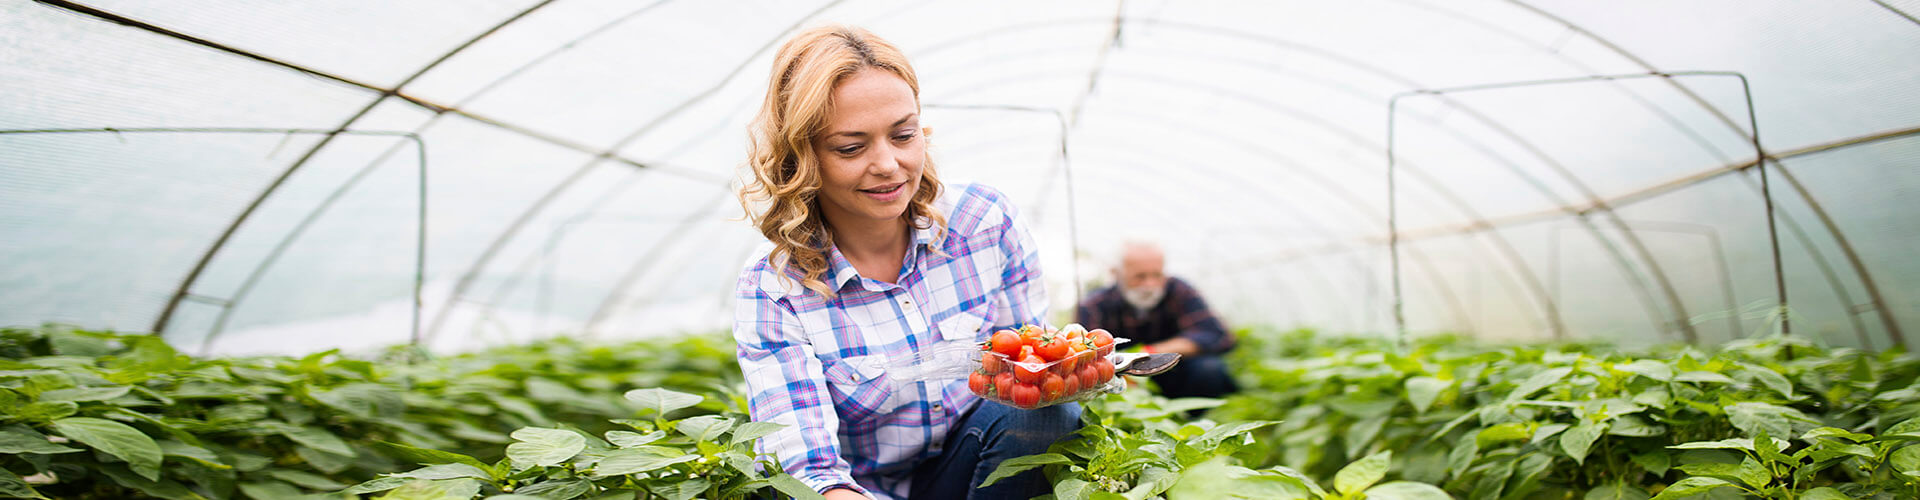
(872, 152)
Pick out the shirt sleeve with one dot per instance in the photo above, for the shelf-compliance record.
(1026, 292)
(787, 386)
(1197, 322)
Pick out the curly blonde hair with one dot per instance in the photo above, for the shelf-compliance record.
(781, 198)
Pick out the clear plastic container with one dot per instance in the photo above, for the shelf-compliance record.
(1078, 375)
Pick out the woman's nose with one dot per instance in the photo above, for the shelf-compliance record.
(886, 159)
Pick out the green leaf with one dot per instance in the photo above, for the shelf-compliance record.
(1461, 457)
(1580, 438)
(1539, 381)
(704, 428)
(1743, 444)
(1654, 462)
(364, 400)
(628, 439)
(448, 471)
(1422, 391)
(559, 490)
(1754, 418)
(1362, 433)
(1357, 476)
(1214, 436)
(448, 489)
(423, 456)
(662, 400)
(46, 410)
(1407, 490)
(1700, 377)
(684, 490)
(1823, 493)
(1073, 488)
(637, 460)
(750, 431)
(1511, 431)
(1690, 486)
(117, 439)
(317, 439)
(1833, 433)
(517, 496)
(22, 439)
(544, 447)
(792, 487)
(1905, 459)
(306, 479)
(1013, 466)
(11, 486)
(1648, 368)
(1771, 379)
(79, 394)
(1616, 491)
(377, 485)
(1635, 426)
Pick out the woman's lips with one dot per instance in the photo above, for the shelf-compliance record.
(887, 193)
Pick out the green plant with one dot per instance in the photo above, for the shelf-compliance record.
(704, 456)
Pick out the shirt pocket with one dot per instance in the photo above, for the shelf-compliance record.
(967, 325)
(858, 385)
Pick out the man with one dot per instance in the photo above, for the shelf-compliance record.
(1163, 314)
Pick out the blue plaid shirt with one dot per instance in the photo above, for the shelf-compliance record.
(817, 365)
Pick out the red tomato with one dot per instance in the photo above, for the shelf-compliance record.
(1030, 370)
(1005, 342)
(1089, 375)
(1051, 347)
(1102, 341)
(1025, 395)
(1052, 387)
(1106, 368)
(1073, 385)
(992, 363)
(979, 383)
(1003, 385)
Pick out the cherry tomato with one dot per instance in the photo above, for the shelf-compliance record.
(979, 383)
(1005, 342)
(1051, 347)
(1025, 395)
(1073, 385)
(1106, 368)
(1089, 375)
(992, 362)
(1052, 387)
(1102, 341)
(1030, 370)
(1003, 385)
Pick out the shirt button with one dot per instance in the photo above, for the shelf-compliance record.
(937, 407)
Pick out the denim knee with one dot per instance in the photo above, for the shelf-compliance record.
(1032, 431)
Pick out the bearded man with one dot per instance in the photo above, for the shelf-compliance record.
(1163, 314)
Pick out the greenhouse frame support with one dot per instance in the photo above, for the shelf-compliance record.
(1066, 170)
(227, 305)
(1393, 239)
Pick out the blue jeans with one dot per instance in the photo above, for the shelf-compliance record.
(989, 434)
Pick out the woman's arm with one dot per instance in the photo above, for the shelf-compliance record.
(786, 385)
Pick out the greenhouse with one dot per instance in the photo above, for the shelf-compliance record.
(1484, 249)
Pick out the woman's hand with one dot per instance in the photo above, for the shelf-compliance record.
(845, 494)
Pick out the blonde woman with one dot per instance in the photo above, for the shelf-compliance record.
(872, 260)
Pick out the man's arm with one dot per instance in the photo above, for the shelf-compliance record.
(1200, 331)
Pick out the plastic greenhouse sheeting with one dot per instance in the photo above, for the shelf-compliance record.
(580, 159)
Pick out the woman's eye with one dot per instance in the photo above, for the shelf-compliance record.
(848, 149)
(904, 137)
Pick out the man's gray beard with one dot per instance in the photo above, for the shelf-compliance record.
(1143, 300)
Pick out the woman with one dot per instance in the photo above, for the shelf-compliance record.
(873, 260)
